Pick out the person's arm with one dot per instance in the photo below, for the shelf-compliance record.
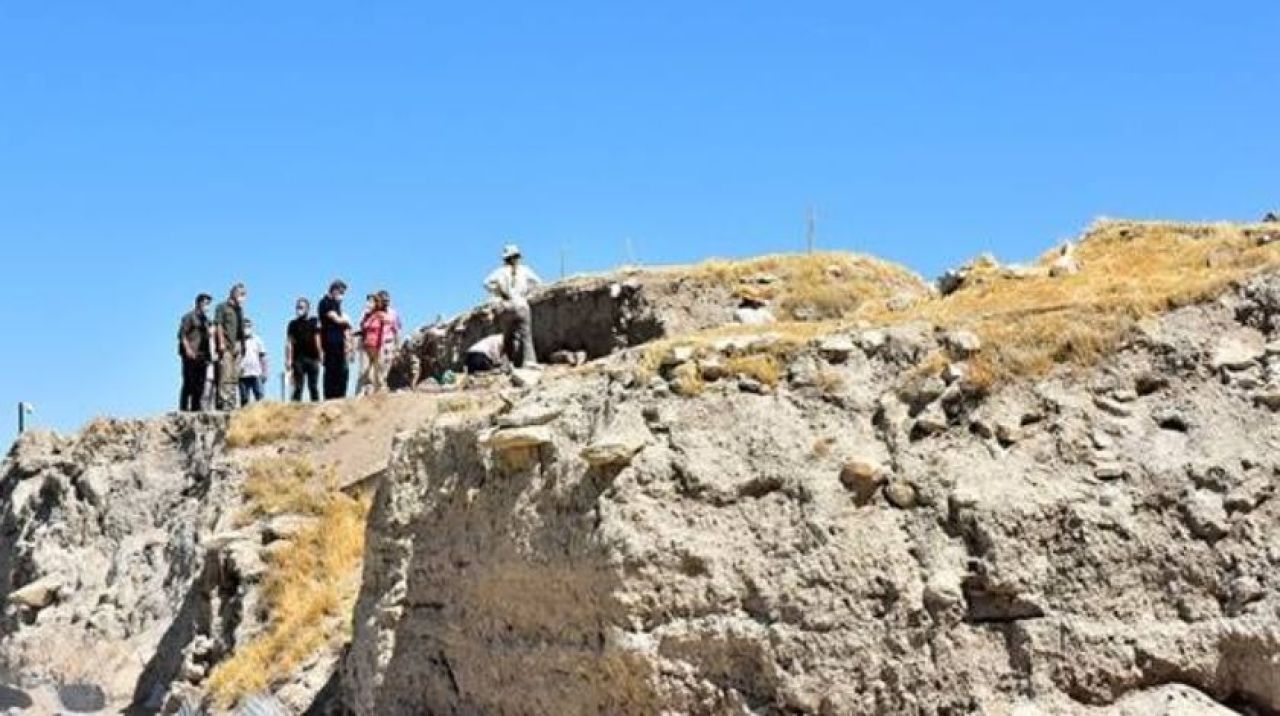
(262, 354)
(188, 349)
(319, 346)
(494, 285)
(288, 348)
(338, 318)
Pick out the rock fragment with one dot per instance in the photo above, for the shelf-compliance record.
(901, 494)
(862, 478)
(613, 450)
(38, 594)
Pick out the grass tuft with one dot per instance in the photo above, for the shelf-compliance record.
(267, 422)
(818, 286)
(763, 367)
(287, 485)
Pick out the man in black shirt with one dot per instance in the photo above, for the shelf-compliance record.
(302, 352)
(335, 329)
(193, 346)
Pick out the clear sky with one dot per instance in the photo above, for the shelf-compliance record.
(151, 150)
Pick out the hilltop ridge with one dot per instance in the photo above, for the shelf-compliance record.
(1046, 488)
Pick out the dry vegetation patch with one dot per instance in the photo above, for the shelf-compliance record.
(817, 286)
(1131, 271)
(311, 582)
(268, 422)
(1028, 323)
(310, 590)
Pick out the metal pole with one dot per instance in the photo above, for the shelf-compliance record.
(810, 221)
(22, 417)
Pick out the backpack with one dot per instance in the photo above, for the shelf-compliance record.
(371, 330)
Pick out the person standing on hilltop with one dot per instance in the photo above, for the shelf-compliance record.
(511, 284)
(193, 346)
(391, 335)
(228, 338)
(335, 330)
(302, 352)
(374, 326)
(253, 366)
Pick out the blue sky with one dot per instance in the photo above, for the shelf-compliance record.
(151, 150)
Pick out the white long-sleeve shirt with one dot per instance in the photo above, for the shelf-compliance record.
(512, 283)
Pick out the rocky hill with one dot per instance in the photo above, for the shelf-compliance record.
(1041, 489)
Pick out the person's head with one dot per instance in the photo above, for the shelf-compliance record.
(384, 297)
(238, 294)
(371, 302)
(337, 289)
(248, 327)
(511, 254)
(302, 307)
(203, 301)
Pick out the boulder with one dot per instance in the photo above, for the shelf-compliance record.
(712, 369)
(962, 344)
(836, 348)
(1206, 515)
(1237, 351)
(862, 478)
(930, 421)
(901, 494)
(508, 439)
(1009, 432)
(38, 594)
(614, 449)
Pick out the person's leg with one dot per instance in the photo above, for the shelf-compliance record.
(479, 363)
(524, 334)
(228, 380)
(377, 370)
(311, 368)
(509, 324)
(244, 391)
(257, 385)
(199, 373)
(185, 403)
(332, 368)
(296, 375)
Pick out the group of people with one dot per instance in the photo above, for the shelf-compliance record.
(224, 362)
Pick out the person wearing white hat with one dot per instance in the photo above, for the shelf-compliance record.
(510, 286)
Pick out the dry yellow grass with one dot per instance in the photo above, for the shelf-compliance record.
(1028, 325)
(818, 286)
(287, 485)
(310, 590)
(764, 367)
(1130, 271)
(311, 583)
(267, 422)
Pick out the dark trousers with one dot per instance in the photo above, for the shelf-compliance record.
(250, 390)
(479, 363)
(306, 371)
(193, 374)
(337, 374)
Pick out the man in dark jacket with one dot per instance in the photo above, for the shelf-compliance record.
(335, 333)
(228, 339)
(193, 347)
